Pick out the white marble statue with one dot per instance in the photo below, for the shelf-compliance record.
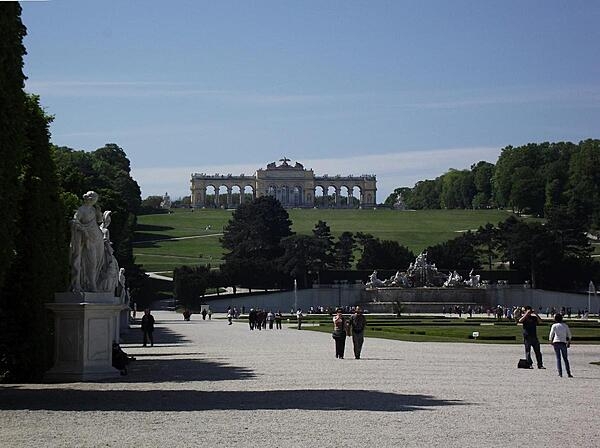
(87, 245)
(109, 274)
(93, 265)
(122, 286)
(374, 282)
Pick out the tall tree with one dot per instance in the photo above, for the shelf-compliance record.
(106, 171)
(344, 251)
(425, 195)
(302, 258)
(584, 182)
(482, 181)
(322, 233)
(459, 253)
(40, 266)
(12, 131)
(252, 238)
(458, 189)
(383, 254)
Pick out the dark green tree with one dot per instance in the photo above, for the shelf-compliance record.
(12, 131)
(529, 248)
(190, 284)
(487, 237)
(322, 233)
(482, 181)
(252, 238)
(303, 258)
(344, 251)
(460, 253)
(425, 195)
(403, 192)
(584, 182)
(106, 171)
(458, 189)
(40, 264)
(378, 254)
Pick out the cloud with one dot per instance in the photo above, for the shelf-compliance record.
(410, 100)
(393, 170)
(152, 89)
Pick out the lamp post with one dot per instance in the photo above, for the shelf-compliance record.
(295, 295)
(339, 288)
(591, 289)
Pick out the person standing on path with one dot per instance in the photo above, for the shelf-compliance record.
(358, 322)
(339, 333)
(299, 317)
(530, 321)
(560, 338)
(278, 318)
(148, 327)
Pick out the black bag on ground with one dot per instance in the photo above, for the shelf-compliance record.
(523, 364)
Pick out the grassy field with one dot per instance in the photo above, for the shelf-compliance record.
(157, 249)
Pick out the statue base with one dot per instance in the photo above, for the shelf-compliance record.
(85, 326)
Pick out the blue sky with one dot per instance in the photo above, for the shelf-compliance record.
(401, 89)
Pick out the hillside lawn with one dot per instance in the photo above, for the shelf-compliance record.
(157, 251)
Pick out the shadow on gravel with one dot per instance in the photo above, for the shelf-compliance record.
(193, 400)
(162, 335)
(181, 370)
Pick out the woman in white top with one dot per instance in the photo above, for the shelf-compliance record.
(339, 333)
(560, 338)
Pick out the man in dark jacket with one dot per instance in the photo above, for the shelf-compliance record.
(148, 327)
(530, 321)
(358, 322)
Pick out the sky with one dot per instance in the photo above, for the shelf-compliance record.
(404, 90)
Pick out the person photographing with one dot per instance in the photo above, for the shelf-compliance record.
(530, 320)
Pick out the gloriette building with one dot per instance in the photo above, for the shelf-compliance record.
(292, 185)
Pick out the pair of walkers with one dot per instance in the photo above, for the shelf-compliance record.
(560, 338)
(343, 327)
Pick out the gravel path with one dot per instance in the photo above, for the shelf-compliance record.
(206, 383)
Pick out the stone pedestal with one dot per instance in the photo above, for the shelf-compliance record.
(85, 324)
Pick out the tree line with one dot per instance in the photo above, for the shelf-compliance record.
(534, 178)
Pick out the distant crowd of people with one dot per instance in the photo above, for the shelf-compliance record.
(259, 319)
(510, 312)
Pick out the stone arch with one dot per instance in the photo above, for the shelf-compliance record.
(332, 196)
(249, 194)
(210, 195)
(236, 195)
(344, 199)
(224, 195)
(356, 198)
(320, 199)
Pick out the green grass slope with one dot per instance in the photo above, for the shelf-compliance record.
(184, 237)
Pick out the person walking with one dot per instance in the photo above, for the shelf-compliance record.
(148, 327)
(530, 321)
(358, 323)
(270, 319)
(339, 333)
(560, 338)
